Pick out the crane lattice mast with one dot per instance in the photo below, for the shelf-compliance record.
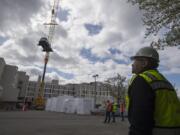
(46, 44)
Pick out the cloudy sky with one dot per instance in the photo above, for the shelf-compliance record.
(92, 37)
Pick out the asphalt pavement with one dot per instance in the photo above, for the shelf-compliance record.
(53, 123)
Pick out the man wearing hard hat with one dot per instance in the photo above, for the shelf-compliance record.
(154, 108)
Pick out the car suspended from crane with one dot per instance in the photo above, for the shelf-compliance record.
(45, 43)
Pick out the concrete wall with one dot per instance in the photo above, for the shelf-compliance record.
(37, 86)
(33, 88)
(9, 83)
(2, 65)
(22, 83)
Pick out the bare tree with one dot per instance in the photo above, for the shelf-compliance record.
(117, 87)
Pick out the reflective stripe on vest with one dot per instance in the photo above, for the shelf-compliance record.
(160, 85)
(167, 104)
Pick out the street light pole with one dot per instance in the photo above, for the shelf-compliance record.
(96, 75)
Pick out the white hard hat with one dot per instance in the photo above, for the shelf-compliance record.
(148, 52)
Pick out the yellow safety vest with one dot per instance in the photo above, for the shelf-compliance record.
(167, 104)
(114, 107)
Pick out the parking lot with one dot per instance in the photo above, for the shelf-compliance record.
(52, 123)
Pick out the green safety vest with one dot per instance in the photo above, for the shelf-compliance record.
(167, 104)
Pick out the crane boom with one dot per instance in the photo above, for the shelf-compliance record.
(40, 101)
(53, 23)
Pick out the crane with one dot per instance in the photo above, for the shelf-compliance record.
(45, 43)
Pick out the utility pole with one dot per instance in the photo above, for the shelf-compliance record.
(96, 75)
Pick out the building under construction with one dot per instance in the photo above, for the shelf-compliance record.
(16, 88)
(13, 84)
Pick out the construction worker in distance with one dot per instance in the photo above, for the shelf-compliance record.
(154, 108)
(122, 110)
(114, 109)
(108, 106)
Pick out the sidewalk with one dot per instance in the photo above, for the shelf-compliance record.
(53, 123)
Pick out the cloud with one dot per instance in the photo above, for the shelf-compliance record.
(92, 37)
(87, 54)
(178, 93)
(93, 29)
(63, 14)
(21, 50)
(16, 13)
(3, 39)
(169, 59)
